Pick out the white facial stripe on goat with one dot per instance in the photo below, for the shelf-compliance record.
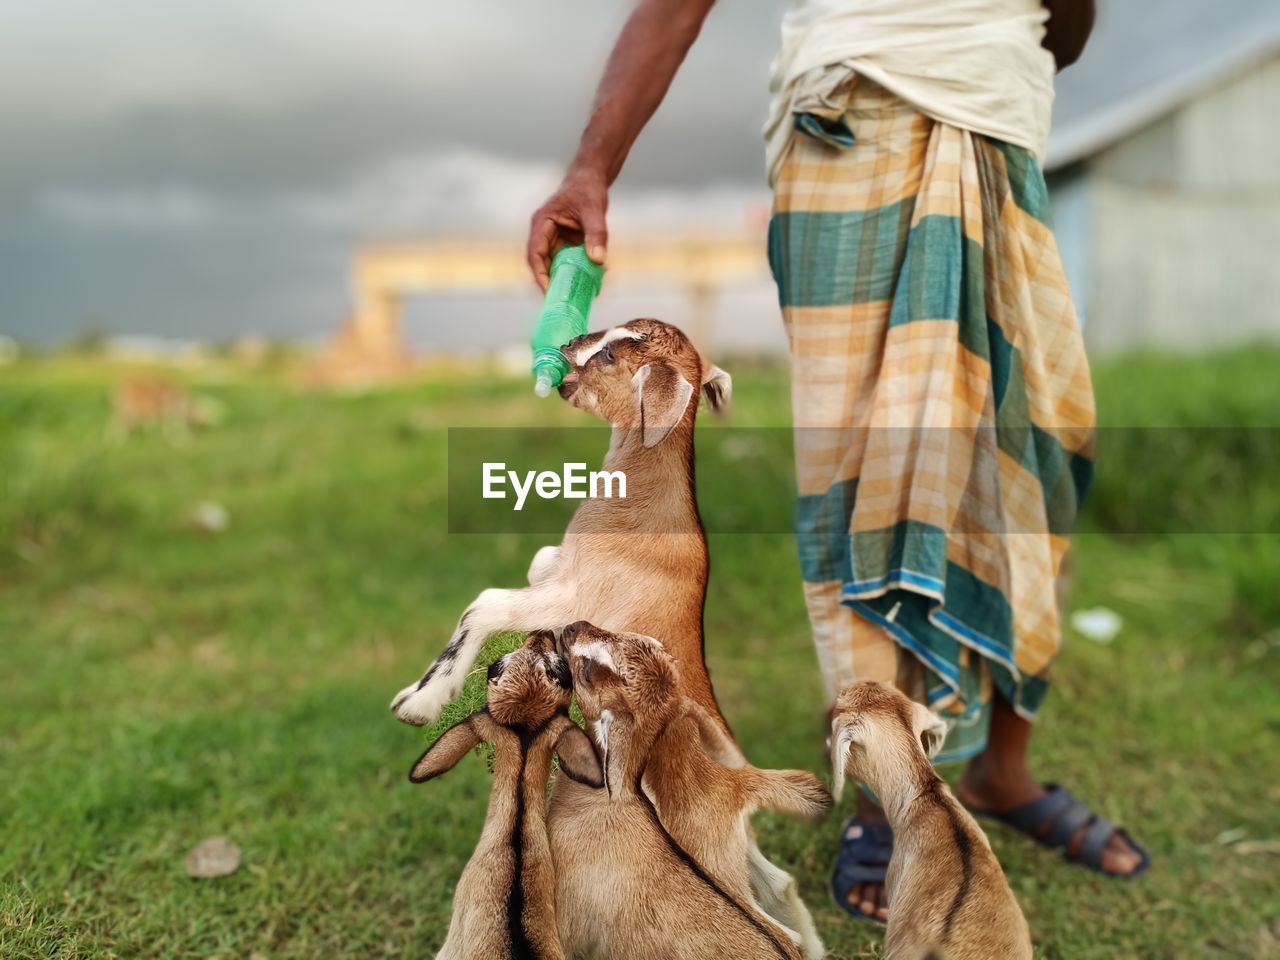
(597, 651)
(609, 336)
(602, 738)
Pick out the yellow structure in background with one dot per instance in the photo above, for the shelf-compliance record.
(371, 347)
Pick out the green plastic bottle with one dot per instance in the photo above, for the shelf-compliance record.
(575, 281)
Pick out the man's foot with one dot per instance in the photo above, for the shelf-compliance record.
(868, 897)
(1000, 792)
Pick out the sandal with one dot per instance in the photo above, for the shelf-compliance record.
(1064, 815)
(864, 854)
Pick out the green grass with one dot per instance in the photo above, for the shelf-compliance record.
(161, 684)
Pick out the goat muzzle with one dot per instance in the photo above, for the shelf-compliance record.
(569, 385)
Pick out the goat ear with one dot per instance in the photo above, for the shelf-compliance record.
(663, 396)
(844, 734)
(715, 742)
(578, 758)
(449, 748)
(717, 386)
(596, 672)
(929, 727)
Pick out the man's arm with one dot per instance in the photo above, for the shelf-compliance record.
(1068, 29)
(645, 58)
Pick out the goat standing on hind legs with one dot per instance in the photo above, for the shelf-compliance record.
(635, 564)
(504, 904)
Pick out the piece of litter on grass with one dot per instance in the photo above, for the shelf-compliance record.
(211, 517)
(1228, 837)
(1247, 847)
(1097, 624)
(213, 857)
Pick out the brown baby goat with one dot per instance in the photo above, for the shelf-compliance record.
(504, 904)
(637, 563)
(622, 858)
(948, 897)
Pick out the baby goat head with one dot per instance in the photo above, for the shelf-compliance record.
(874, 726)
(528, 693)
(627, 688)
(641, 375)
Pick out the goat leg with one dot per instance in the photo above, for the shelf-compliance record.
(779, 897)
(543, 565)
(495, 610)
(795, 792)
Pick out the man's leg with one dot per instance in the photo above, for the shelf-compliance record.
(998, 779)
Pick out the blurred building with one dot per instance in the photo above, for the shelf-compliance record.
(1166, 193)
(371, 347)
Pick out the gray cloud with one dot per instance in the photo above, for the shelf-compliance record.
(144, 208)
(207, 168)
(261, 96)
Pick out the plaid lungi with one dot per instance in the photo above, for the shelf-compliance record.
(941, 399)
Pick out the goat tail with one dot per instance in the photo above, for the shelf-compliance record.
(795, 792)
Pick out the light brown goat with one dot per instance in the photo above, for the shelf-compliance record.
(948, 896)
(635, 881)
(504, 903)
(635, 564)
(704, 805)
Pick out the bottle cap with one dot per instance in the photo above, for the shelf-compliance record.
(542, 386)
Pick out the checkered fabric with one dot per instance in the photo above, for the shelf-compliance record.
(942, 403)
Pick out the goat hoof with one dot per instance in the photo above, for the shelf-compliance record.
(420, 707)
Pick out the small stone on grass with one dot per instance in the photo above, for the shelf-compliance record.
(213, 857)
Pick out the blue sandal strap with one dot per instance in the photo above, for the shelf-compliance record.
(1095, 841)
(1095, 844)
(865, 849)
(865, 846)
(848, 874)
(1030, 818)
(1074, 816)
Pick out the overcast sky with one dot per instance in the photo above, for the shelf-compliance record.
(194, 168)
(191, 168)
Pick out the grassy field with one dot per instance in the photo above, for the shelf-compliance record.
(160, 683)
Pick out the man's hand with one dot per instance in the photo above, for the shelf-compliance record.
(574, 214)
(647, 54)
